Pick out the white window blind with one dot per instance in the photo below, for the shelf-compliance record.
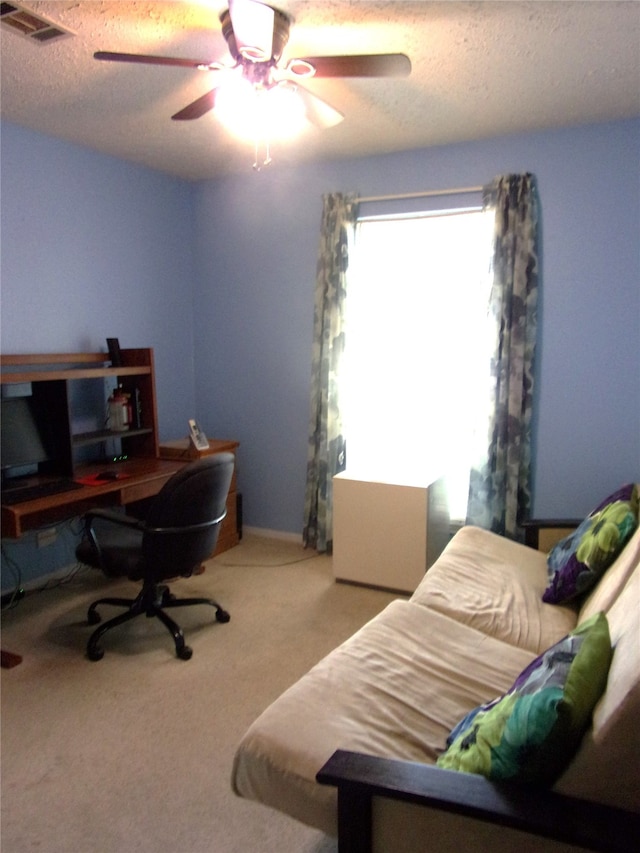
(415, 362)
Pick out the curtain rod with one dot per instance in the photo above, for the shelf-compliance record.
(426, 194)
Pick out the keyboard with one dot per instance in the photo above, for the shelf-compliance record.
(38, 490)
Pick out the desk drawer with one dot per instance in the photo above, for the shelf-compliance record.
(141, 491)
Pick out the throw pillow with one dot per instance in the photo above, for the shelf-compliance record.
(579, 560)
(531, 732)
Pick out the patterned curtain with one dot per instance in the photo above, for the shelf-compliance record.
(500, 484)
(327, 448)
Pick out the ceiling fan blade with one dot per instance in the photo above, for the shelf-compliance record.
(152, 60)
(197, 108)
(317, 111)
(253, 24)
(366, 65)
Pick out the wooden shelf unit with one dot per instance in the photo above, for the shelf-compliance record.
(52, 377)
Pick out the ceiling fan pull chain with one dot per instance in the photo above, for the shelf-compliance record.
(257, 166)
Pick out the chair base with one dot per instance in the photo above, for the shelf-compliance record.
(152, 601)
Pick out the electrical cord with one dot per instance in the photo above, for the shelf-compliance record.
(11, 599)
(222, 562)
(55, 583)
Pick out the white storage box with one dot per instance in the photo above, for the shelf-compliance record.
(387, 534)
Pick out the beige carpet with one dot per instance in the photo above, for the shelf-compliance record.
(134, 752)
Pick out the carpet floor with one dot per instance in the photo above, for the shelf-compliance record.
(134, 752)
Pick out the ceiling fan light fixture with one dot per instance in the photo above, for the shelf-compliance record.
(300, 68)
(235, 106)
(253, 54)
(256, 113)
(286, 111)
(252, 24)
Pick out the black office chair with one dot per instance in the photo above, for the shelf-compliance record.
(179, 532)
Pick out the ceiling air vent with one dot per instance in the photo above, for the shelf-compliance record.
(25, 23)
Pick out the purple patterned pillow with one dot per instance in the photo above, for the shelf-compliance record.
(579, 560)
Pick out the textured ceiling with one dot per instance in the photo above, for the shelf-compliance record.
(480, 69)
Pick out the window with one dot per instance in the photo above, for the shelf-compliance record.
(415, 362)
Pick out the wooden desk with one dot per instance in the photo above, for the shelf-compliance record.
(141, 478)
(57, 399)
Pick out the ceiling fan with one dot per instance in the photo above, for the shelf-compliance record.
(256, 35)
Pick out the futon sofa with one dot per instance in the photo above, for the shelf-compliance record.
(377, 717)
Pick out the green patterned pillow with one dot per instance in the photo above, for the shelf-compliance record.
(531, 732)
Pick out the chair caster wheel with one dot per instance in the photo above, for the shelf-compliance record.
(93, 617)
(184, 653)
(222, 616)
(95, 654)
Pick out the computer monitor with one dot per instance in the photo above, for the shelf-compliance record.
(21, 446)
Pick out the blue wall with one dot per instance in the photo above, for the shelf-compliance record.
(257, 239)
(93, 247)
(219, 276)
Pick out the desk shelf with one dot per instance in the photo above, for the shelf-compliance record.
(52, 378)
(83, 439)
(71, 374)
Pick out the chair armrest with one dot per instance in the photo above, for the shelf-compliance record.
(114, 517)
(533, 526)
(540, 812)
